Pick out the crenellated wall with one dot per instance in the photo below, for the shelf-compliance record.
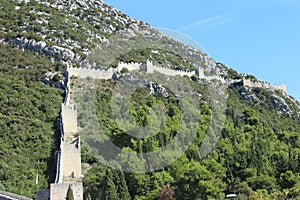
(149, 67)
(200, 72)
(261, 84)
(129, 66)
(68, 170)
(92, 73)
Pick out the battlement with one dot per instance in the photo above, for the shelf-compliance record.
(130, 66)
(149, 67)
(92, 73)
(69, 156)
(262, 84)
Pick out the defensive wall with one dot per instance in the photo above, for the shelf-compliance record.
(68, 158)
(59, 191)
(149, 67)
(261, 84)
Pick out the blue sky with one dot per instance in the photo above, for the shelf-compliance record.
(258, 37)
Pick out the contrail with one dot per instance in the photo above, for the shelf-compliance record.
(212, 20)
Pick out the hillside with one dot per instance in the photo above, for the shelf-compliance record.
(254, 144)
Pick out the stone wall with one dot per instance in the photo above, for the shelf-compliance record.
(59, 191)
(69, 120)
(150, 68)
(129, 66)
(58, 178)
(92, 73)
(69, 157)
(200, 72)
(70, 162)
(261, 84)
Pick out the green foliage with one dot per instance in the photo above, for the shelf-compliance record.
(256, 157)
(166, 193)
(105, 183)
(159, 57)
(70, 195)
(57, 77)
(109, 189)
(257, 154)
(124, 70)
(28, 113)
(233, 74)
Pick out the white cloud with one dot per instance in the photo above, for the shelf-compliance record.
(221, 22)
(209, 22)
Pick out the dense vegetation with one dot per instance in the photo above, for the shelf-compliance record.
(258, 154)
(28, 113)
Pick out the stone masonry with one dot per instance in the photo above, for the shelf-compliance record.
(69, 157)
(148, 67)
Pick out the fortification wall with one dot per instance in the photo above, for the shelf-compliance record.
(58, 178)
(279, 87)
(70, 156)
(201, 74)
(69, 120)
(71, 159)
(59, 191)
(92, 73)
(261, 84)
(129, 66)
(150, 68)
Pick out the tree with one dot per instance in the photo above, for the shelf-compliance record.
(109, 188)
(121, 185)
(166, 193)
(124, 70)
(70, 195)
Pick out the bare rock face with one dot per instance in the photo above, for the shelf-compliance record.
(41, 47)
(156, 88)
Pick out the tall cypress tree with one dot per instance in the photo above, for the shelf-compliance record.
(70, 195)
(109, 189)
(121, 185)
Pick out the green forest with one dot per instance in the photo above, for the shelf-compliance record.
(257, 156)
(28, 113)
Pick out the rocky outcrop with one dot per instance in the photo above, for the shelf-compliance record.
(281, 105)
(157, 89)
(43, 48)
